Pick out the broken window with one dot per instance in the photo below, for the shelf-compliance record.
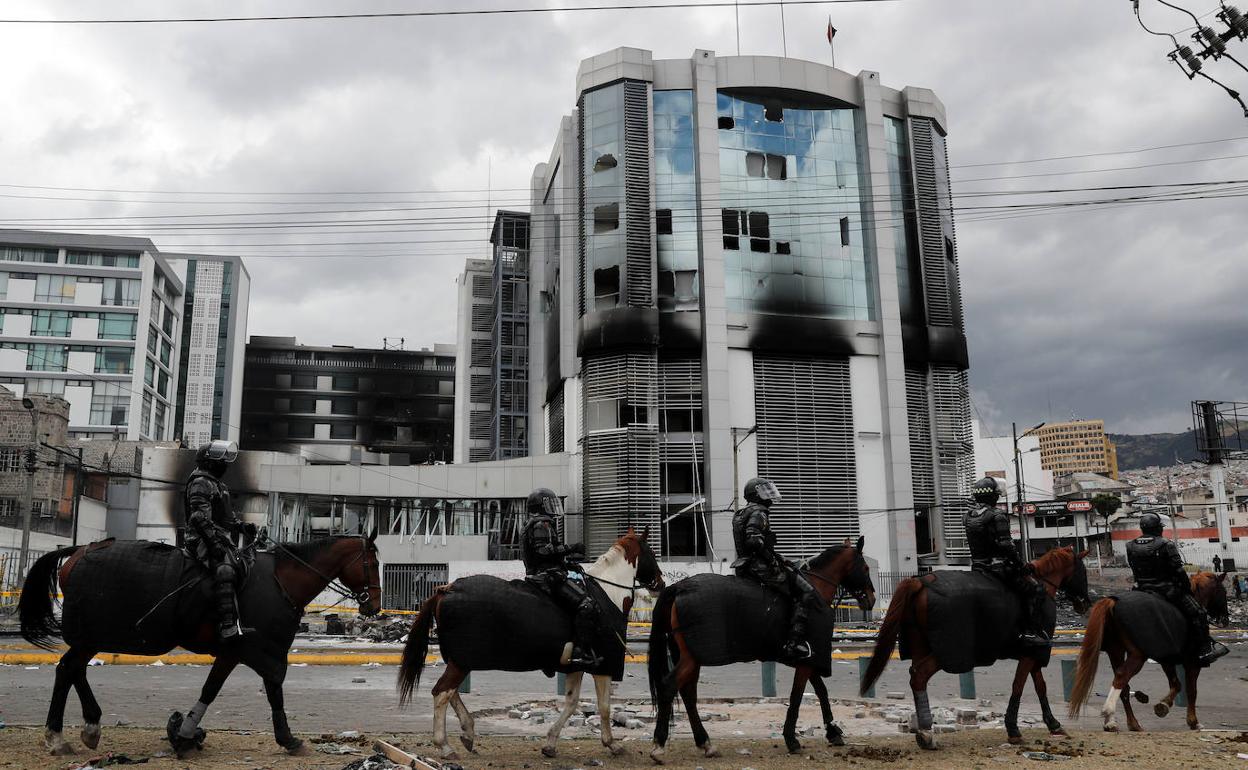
(761, 245)
(732, 224)
(663, 221)
(607, 287)
(667, 283)
(684, 283)
(777, 167)
(726, 122)
(604, 162)
(844, 231)
(782, 247)
(773, 113)
(760, 224)
(755, 164)
(606, 218)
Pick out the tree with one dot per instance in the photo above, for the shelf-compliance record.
(1106, 505)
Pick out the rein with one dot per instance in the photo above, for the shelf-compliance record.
(332, 583)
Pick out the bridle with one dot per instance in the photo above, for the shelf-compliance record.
(859, 594)
(361, 596)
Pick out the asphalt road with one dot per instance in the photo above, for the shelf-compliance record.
(325, 698)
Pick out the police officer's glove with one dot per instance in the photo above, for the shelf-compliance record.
(1029, 569)
(249, 530)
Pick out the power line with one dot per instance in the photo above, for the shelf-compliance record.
(431, 14)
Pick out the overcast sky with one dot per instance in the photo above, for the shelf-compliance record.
(1123, 313)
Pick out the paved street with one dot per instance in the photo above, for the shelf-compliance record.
(325, 698)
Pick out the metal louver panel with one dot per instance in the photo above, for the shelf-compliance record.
(621, 464)
(955, 455)
(806, 446)
(940, 311)
(555, 423)
(680, 383)
(581, 278)
(482, 287)
(638, 239)
(482, 317)
(919, 417)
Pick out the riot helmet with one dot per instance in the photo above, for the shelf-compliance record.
(216, 456)
(761, 491)
(1150, 524)
(544, 502)
(986, 492)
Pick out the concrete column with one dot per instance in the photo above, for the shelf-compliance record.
(715, 379)
(899, 553)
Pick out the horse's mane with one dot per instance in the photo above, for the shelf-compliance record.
(307, 549)
(629, 549)
(828, 555)
(1050, 559)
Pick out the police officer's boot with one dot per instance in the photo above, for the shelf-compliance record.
(797, 648)
(1034, 634)
(229, 631)
(1207, 650)
(583, 627)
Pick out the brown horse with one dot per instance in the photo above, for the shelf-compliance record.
(751, 624)
(908, 618)
(147, 598)
(1118, 639)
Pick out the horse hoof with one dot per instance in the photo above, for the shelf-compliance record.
(1161, 709)
(793, 746)
(1110, 728)
(656, 755)
(1016, 740)
(616, 749)
(836, 739)
(926, 740)
(297, 749)
(1193, 725)
(1059, 733)
(56, 744)
(1142, 697)
(549, 751)
(469, 742)
(710, 751)
(450, 755)
(90, 735)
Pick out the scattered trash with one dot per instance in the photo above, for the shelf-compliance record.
(95, 662)
(336, 748)
(1044, 756)
(157, 662)
(358, 680)
(375, 762)
(108, 760)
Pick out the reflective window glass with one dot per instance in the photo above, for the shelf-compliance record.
(675, 190)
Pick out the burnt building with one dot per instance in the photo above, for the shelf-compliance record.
(335, 404)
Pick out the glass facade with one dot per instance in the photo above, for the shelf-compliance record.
(675, 201)
(792, 209)
(603, 150)
(902, 221)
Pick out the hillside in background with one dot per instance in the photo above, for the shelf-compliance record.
(1160, 448)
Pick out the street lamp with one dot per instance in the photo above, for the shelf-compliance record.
(1018, 484)
(744, 433)
(29, 404)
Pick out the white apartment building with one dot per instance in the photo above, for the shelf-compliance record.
(94, 319)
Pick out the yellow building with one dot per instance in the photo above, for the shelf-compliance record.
(1079, 446)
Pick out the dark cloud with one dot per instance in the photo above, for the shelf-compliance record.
(1125, 314)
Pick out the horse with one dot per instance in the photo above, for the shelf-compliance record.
(714, 620)
(488, 624)
(147, 598)
(974, 621)
(1145, 626)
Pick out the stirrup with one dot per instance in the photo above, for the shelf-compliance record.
(797, 649)
(584, 657)
(233, 633)
(1034, 639)
(1212, 652)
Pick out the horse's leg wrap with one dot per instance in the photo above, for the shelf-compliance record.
(1011, 716)
(191, 721)
(923, 710)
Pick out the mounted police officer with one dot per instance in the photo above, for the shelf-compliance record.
(553, 567)
(757, 560)
(1158, 568)
(211, 529)
(993, 553)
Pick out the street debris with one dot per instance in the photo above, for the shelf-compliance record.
(108, 760)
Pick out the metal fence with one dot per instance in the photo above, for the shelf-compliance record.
(407, 586)
(885, 584)
(10, 577)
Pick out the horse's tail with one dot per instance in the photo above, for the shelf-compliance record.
(898, 607)
(657, 664)
(417, 647)
(39, 623)
(1090, 654)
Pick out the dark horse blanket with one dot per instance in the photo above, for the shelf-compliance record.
(974, 620)
(1154, 624)
(146, 598)
(731, 620)
(486, 623)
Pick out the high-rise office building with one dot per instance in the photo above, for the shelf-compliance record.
(214, 335)
(1077, 446)
(746, 266)
(93, 319)
(474, 350)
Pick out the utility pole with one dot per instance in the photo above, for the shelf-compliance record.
(29, 500)
(1214, 449)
